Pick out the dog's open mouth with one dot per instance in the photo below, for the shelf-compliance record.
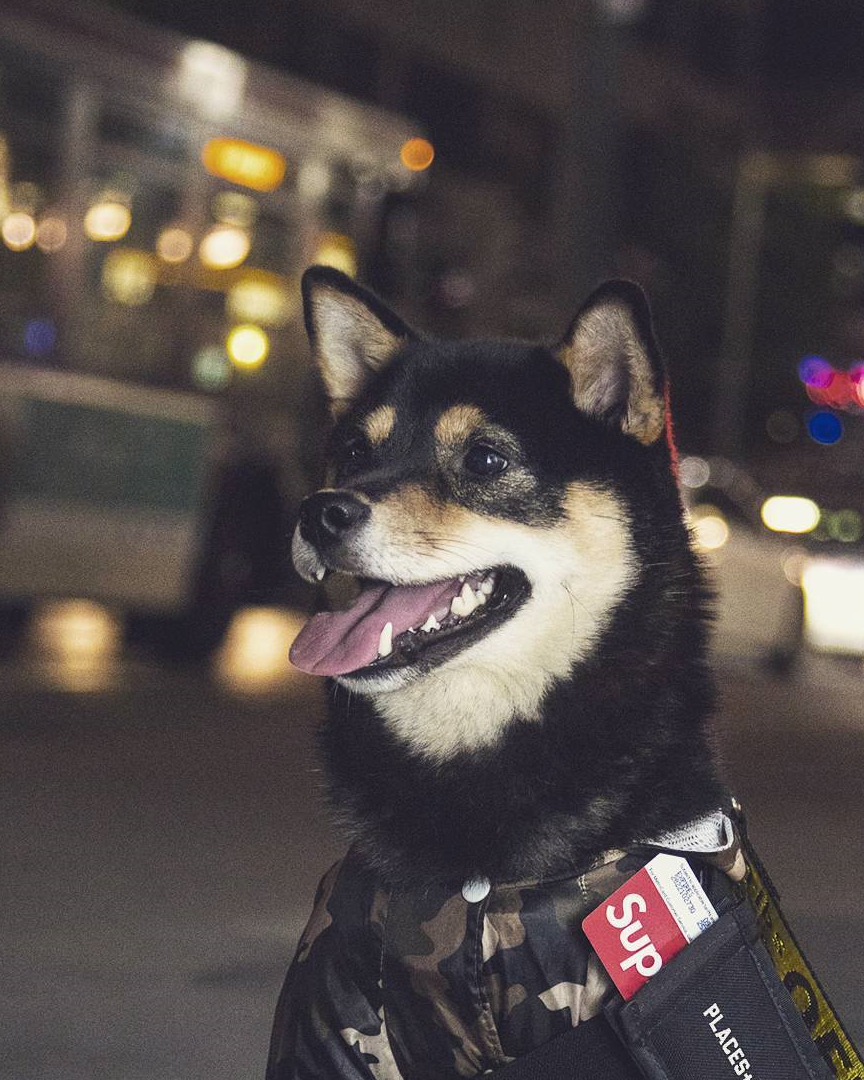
(392, 626)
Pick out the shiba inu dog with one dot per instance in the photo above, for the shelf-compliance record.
(521, 682)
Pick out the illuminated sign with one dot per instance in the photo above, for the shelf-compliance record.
(244, 163)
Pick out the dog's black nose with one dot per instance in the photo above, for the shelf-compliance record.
(327, 516)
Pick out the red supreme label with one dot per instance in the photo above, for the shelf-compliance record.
(647, 921)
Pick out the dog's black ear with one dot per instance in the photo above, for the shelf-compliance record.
(351, 332)
(614, 362)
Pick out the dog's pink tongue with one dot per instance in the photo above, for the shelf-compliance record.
(336, 642)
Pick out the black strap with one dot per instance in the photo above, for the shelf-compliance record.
(591, 1051)
(826, 1029)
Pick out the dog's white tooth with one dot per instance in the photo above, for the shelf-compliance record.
(320, 572)
(457, 606)
(385, 642)
(461, 578)
(430, 624)
(487, 586)
(480, 597)
(468, 599)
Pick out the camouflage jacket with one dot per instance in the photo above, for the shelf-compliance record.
(390, 985)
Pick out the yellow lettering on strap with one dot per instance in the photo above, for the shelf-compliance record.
(810, 999)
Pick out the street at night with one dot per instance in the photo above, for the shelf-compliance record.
(518, 282)
(163, 840)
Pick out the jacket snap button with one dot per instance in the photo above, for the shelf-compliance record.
(476, 889)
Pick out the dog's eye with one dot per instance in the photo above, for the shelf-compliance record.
(483, 460)
(353, 452)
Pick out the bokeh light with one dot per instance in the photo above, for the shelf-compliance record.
(211, 368)
(40, 336)
(709, 527)
(254, 657)
(417, 154)
(212, 77)
(790, 514)
(339, 251)
(782, 426)
(51, 233)
(174, 245)
(129, 276)
(224, 247)
(816, 371)
(825, 428)
(834, 604)
(623, 11)
(260, 299)
(247, 346)
(18, 231)
(234, 208)
(313, 180)
(845, 526)
(77, 643)
(793, 562)
(107, 220)
(258, 167)
(694, 471)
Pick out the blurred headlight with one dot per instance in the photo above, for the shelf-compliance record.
(790, 514)
(834, 604)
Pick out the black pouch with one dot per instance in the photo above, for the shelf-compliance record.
(719, 1011)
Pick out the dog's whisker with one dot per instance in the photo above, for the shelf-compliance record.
(573, 614)
(454, 541)
(576, 599)
(441, 551)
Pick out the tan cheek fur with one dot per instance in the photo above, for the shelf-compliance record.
(579, 569)
(412, 537)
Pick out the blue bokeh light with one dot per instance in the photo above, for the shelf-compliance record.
(40, 336)
(825, 427)
(816, 371)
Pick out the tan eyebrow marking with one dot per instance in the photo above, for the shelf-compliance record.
(379, 424)
(455, 424)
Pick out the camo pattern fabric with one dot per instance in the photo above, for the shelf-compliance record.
(390, 985)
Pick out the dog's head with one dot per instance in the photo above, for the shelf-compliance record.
(482, 495)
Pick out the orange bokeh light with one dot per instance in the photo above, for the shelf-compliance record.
(417, 154)
(258, 167)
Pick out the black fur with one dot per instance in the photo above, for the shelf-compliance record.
(622, 750)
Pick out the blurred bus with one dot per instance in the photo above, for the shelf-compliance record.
(159, 198)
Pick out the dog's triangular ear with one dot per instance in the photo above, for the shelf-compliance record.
(614, 362)
(351, 332)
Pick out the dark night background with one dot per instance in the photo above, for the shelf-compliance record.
(160, 421)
